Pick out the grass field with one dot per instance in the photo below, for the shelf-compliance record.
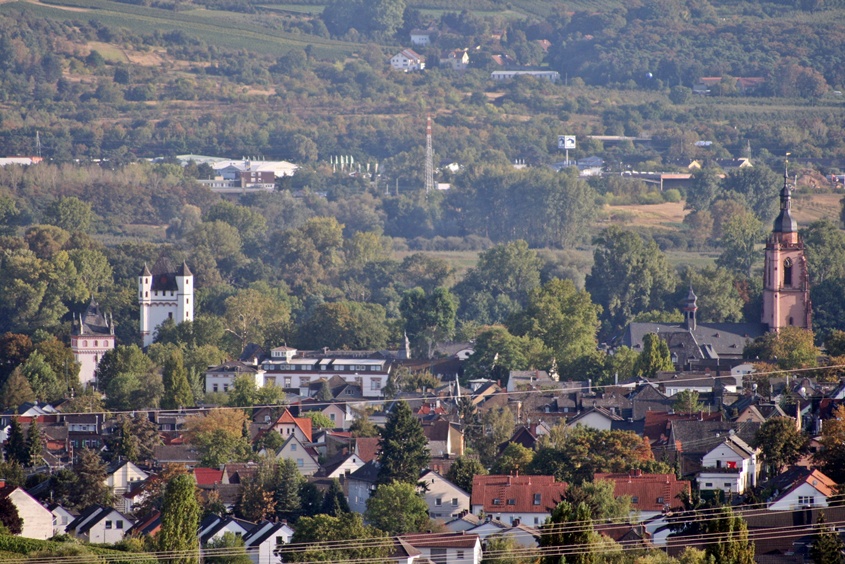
(223, 29)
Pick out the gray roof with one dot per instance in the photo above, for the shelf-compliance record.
(726, 340)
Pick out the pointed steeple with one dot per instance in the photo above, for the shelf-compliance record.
(146, 271)
(785, 223)
(690, 307)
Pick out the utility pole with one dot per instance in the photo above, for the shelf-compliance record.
(429, 158)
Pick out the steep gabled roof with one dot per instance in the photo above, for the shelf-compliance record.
(303, 423)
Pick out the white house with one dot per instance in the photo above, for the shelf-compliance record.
(730, 467)
(122, 475)
(293, 371)
(221, 378)
(800, 487)
(261, 541)
(454, 548)
(165, 292)
(37, 519)
(407, 60)
(100, 525)
(214, 527)
(421, 36)
(456, 60)
(595, 418)
(342, 464)
(361, 484)
(61, 519)
(525, 499)
(551, 76)
(522, 534)
(306, 457)
(445, 500)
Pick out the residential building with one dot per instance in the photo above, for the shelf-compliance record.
(595, 418)
(445, 500)
(288, 425)
(421, 36)
(457, 59)
(61, 518)
(261, 541)
(305, 456)
(446, 548)
(91, 337)
(222, 377)
(165, 292)
(786, 279)
(528, 499)
(444, 438)
(37, 519)
(407, 60)
(214, 527)
(730, 467)
(651, 494)
(361, 484)
(122, 475)
(296, 371)
(800, 488)
(100, 525)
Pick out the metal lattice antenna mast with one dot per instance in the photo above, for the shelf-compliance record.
(38, 144)
(429, 158)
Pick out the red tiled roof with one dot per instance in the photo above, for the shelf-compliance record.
(304, 423)
(648, 489)
(208, 476)
(367, 448)
(515, 494)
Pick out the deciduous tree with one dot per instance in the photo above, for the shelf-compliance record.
(180, 518)
(397, 508)
(781, 443)
(463, 470)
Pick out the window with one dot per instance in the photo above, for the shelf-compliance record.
(708, 484)
(806, 500)
(287, 381)
(635, 499)
(454, 502)
(512, 501)
(497, 501)
(332, 416)
(537, 498)
(438, 502)
(108, 524)
(727, 484)
(118, 524)
(280, 540)
(375, 384)
(169, 315)
(300, 462)
(293, 447)
(225, 387)
(214, 387)
(460, 554)
(660, 500)
(787, 272)
(304, 381)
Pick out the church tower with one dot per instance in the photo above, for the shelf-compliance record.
(164, 293)
(786, 282)
(92, 337)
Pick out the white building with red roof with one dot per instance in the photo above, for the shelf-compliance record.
(528, 499)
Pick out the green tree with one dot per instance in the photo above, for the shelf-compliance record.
(463, 470)
(180, 518)
(34, 443)
(70, 214)
(363, 427)
(789, 348)
(323, 538)
(757, 187)
(740, 237)
(706, 188)
(345, 325)
(719, 300)
(827, 546)
(177, 390)
(227, 549)
(91, 480)
(243, 392)
(629, 276)
(404, 448)
(569, 526)
(497, 352)
(831, 457)
(42, 378)
(324, 394)
(654, 358)
(599, 497)
(500, 283)
(397, 508)
(514, 459)
(508, 550)
(320, 420)
(250, 314)
(288, 502)
(15, 447)
(824, 245)
(781, 443)
(16, 390)
(126, 444)
(686, 401)
(429, 319)
(563, 318)
(334, 501)
(729, 534)
(10, 519)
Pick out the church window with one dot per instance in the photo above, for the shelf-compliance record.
(96, 343)
(790, 321)
(84, 343)
(787, 272)
(169, 315)
(146, 294)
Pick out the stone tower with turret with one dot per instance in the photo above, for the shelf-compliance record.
(164, 293)
(786, 282)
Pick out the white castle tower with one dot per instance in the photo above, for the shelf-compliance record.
(164, 293)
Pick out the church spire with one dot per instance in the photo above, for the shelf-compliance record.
(785, 223)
